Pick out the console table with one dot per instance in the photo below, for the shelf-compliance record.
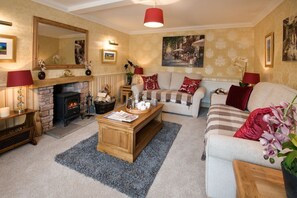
(17, 135)
(258, 181)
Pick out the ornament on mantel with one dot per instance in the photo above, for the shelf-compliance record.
(41, 73)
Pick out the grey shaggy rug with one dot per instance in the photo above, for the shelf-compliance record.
(132, 179)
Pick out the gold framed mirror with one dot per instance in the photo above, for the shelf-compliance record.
(59, 45)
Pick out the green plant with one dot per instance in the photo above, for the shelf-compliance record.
(128, 67)
(281, 137)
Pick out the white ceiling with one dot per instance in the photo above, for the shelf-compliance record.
(127, 15)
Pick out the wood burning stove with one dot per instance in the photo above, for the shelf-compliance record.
(66, 106)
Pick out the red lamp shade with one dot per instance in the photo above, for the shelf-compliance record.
(138, 70)
(153, 18)
(251, 78)
(19, 78)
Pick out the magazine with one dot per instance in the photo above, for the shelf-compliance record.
(121, 116)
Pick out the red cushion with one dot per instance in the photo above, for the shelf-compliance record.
(189, 85)
(238, 97)
(254, 126)
(150, 82)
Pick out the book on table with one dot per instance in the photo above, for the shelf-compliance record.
(121, 116)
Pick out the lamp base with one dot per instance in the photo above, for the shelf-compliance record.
(20, 111)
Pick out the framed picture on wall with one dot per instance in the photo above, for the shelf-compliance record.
(109, 56)
(7, 48)
(269, 50)
(183, 51)
(290, 39)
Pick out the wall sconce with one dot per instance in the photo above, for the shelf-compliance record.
(113, 43)
(5, 23)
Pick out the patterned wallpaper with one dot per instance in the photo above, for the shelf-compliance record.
(21, 12)
(221, 45)
(283, 72)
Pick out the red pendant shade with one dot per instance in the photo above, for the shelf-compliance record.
(138, 70)
(19, 78)
(251, 78)
(153, 18)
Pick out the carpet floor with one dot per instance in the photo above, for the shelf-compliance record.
(31, 171)
(132, 179)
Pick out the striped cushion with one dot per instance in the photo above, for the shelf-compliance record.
(168, 96)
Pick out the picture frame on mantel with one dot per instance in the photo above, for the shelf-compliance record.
(269, 49)
(7, 48)
(109, 56)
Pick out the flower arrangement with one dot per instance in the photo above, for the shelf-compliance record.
(41, 64)
(88, 66)
(281, 137)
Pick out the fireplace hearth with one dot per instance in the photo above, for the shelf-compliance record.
(66, 106)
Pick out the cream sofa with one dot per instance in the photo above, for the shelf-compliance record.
(222, 148)
(169, 81)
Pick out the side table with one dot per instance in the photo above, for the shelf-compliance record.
(20, 134)
(126, 92)
(258, 181)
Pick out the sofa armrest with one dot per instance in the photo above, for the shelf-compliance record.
(218, 98)
(230, 148)
(136, 90)
(198, 95)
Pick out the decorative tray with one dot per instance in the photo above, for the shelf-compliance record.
(137, 111)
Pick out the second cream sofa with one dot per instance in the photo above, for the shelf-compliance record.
(172, 81)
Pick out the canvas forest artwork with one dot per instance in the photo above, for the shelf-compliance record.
(290, 39)
(183, 51)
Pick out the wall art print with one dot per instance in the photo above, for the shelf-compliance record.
(183, 51)
(7, 48)
(109, 56)
(269, 49)
(290, 39)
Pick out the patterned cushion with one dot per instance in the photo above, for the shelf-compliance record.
(189, 85)
(150, 82)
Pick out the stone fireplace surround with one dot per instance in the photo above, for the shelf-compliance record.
(45, 90)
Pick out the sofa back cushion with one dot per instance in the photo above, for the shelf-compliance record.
(164, 79)
(177, 79)
(265, 94)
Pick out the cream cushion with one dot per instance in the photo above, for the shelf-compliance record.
(265, 94)
(164, 79)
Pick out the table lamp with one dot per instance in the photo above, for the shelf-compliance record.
(251, 78)
(138, 71)
(19, 79)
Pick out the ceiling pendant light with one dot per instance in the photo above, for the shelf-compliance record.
(153, 17)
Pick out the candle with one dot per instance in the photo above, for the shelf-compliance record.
(4, 112)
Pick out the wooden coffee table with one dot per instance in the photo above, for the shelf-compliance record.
(126, 140)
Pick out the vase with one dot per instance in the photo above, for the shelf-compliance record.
(88, 72)
(290, 181)
(41, 75)
(129, 80)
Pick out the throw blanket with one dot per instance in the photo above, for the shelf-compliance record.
(224, 120)
(168, 96)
